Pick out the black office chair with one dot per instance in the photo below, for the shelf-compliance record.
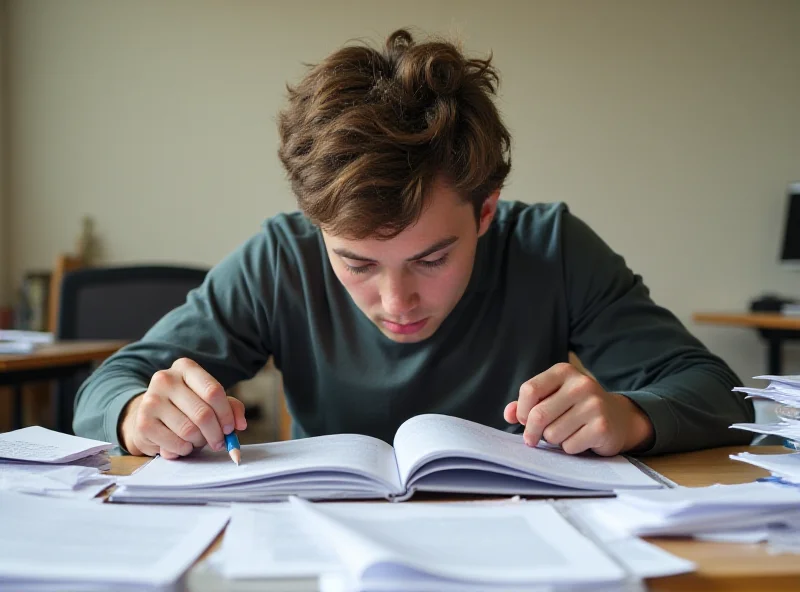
(115, 303)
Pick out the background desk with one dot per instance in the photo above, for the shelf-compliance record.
(50, 362)
(775, 326)
(720, 566)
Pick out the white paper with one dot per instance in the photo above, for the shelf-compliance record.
(272, 541)
(496, 544)
(54, 480)
(38, 444)
(785, 465)
(756, 496)
(67, 542)
(426, 437)
(343, 453)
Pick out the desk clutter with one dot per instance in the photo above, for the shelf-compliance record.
(784, 390)
(746, 513)
(41, 461)
(589, 538)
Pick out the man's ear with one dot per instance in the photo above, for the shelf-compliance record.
(488, 210)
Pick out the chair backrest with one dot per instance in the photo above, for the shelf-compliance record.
(121, 302)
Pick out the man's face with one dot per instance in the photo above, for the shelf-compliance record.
(408, 285)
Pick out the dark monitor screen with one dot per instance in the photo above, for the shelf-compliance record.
(790, 252)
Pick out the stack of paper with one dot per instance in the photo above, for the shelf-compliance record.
(428, 546)
(686, 511)
(13, 341)
(784, 390)
(38, 460)
(68, 545)
(785, 467)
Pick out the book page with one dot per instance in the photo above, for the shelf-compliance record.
(38, 444)
(46, 539)
(522, 543)
(427, 437)
(341, 454)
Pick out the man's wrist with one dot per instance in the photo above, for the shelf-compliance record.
(640, 433)
(126, 424)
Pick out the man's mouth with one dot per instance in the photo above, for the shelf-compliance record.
(404, 328)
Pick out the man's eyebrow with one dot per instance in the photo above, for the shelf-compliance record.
(350, 255)
(446, 242)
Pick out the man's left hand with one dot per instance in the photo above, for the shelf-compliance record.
(568, 408)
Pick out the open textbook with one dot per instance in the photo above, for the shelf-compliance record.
(431, 452)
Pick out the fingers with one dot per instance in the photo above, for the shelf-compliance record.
(238, 413)
(199, 415)
(210, 391)
(158, 434)
(510, 412)
(580, 441)
(544, 414)
(180, 424)
(540, 387)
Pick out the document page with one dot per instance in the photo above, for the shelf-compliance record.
(343, 453)
(38, 444)
(508, 544)
(272, 541)
(426, 437)
(53, 540)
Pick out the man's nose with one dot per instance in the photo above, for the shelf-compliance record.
(398, 295)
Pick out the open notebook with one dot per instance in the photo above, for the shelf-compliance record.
(430, 453)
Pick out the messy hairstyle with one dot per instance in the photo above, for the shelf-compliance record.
(366, 133)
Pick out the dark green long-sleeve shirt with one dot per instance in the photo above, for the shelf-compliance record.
(543, 284)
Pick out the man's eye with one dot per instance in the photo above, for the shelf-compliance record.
(433, 264)
(358, 269)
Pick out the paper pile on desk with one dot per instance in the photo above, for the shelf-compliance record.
(722, 512)
(13, 341)
(53, 544)
(784, 390)
(426, 546)
(41, 461)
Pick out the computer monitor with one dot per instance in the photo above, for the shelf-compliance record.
(790, 250)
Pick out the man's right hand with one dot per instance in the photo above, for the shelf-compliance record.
(183, 408)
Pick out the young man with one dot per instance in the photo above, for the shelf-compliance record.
(405, 286)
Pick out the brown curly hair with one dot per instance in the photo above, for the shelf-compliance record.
(367, 132)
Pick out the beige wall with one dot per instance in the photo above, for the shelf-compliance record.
(672, 127)
(5, 297)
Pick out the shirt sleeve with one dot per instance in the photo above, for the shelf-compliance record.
(224, 326)
(636, 348)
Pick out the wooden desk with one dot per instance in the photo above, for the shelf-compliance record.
(775, 326)
(720, 566)
(49, 362)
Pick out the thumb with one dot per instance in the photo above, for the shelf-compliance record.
(510, 412)
(239, 422)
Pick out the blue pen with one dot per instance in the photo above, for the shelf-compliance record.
(232, 444)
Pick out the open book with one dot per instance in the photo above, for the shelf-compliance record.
(430, 453)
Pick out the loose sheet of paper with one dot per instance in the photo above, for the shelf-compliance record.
(65, 541)
(55, 480)
(38, 444)
(436, 436)
(504, 544)
(272, 541)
